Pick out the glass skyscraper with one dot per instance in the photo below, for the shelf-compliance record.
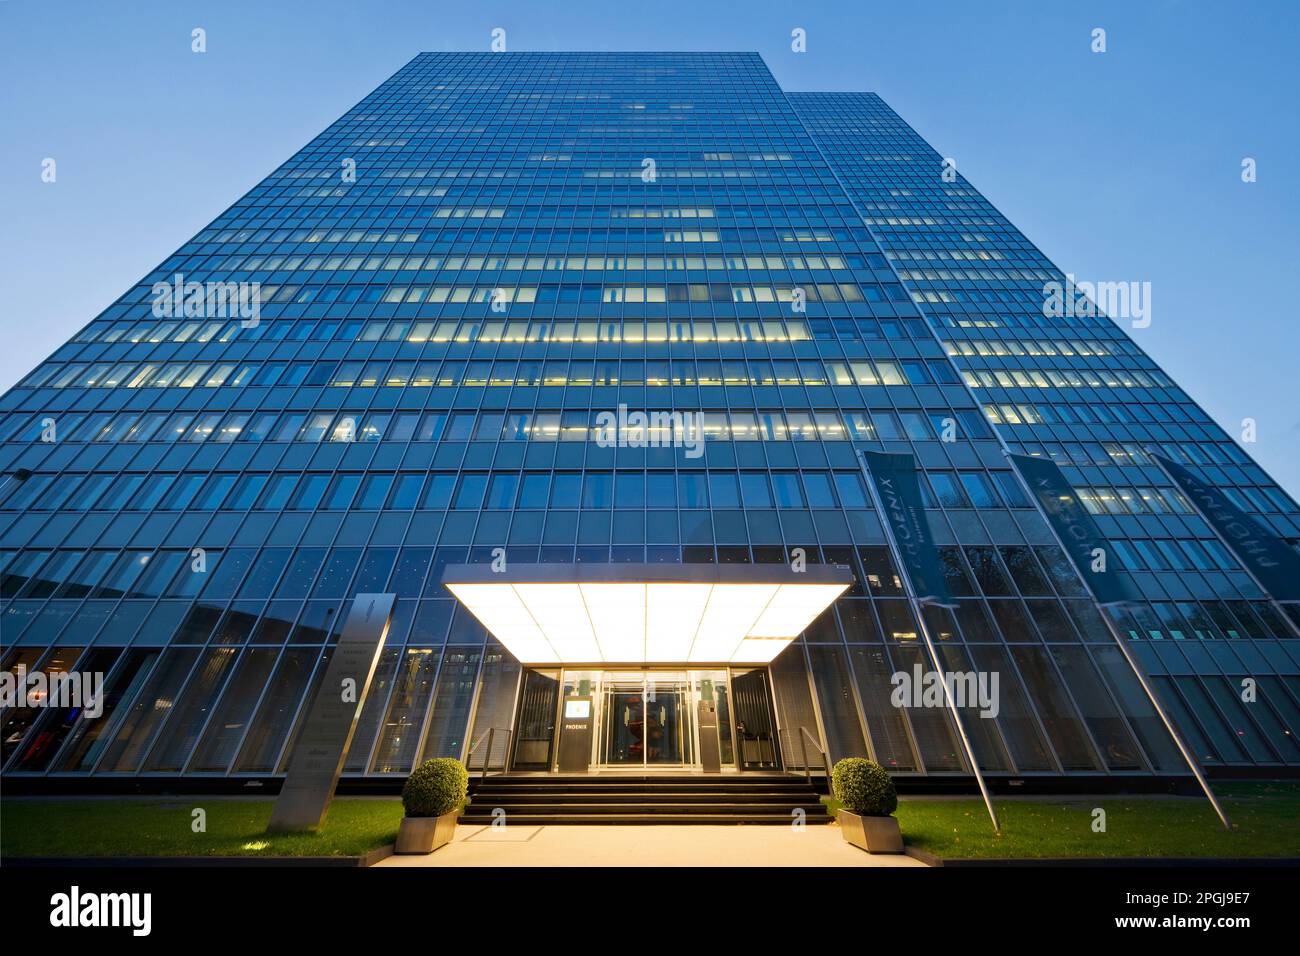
(395, 357)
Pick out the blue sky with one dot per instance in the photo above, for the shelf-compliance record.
(1120, 166)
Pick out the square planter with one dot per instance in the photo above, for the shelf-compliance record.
(873, 834)
(425, 834)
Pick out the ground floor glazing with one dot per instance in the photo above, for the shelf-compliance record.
(229, 711)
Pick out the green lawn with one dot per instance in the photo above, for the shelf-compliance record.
(162, 827)
(1267, 819)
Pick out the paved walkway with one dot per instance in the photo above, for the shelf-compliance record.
(649, 846)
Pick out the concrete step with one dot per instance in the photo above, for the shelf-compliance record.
(598, 796)
(563, 819)
(644, 798)
(649, 806)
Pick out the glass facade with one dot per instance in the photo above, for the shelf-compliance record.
(453, 282)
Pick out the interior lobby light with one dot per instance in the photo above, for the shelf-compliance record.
(646, 613)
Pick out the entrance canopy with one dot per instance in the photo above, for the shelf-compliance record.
(646, 613)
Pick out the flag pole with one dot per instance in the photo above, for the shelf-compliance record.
(929, 643)
(1133, 664)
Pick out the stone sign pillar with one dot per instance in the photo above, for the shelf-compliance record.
(318, 754)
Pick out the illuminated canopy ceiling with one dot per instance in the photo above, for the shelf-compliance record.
(646, 613)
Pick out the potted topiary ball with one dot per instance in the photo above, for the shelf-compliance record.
(867, 801)
(433, 797)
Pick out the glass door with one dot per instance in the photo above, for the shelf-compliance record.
(645, 720)
(667, 720)
(623, 711)
(651, 718)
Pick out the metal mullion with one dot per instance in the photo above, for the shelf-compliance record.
(252, 713)
(1148, 759)
(1247, 760)
(692, 708)
(731, 718)
(240, 654)
(179, 696)
(370, 750)
(1276, 712)
(908, 727)
(813, 696)
(857, 701)
(997, 727)
(304, 702)
(1280, 761)
(516, 702)
(1200, 724)
(428, 708)
(153, 740)
(1074, 703)
(126, 709)
(472, 715)
(1033, 711)
(552, 761)
(118, 665)
(1035, 716)
(473, 703)
(388, 702)
(1101, 678)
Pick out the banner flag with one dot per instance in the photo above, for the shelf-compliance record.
(1083, 540)
(1275, 565)
(900, 495)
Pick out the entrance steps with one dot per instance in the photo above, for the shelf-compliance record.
(549, 799)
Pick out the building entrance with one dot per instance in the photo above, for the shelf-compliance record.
(647, 719)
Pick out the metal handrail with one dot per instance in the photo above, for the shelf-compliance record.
(803, 752)
(490, 734)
